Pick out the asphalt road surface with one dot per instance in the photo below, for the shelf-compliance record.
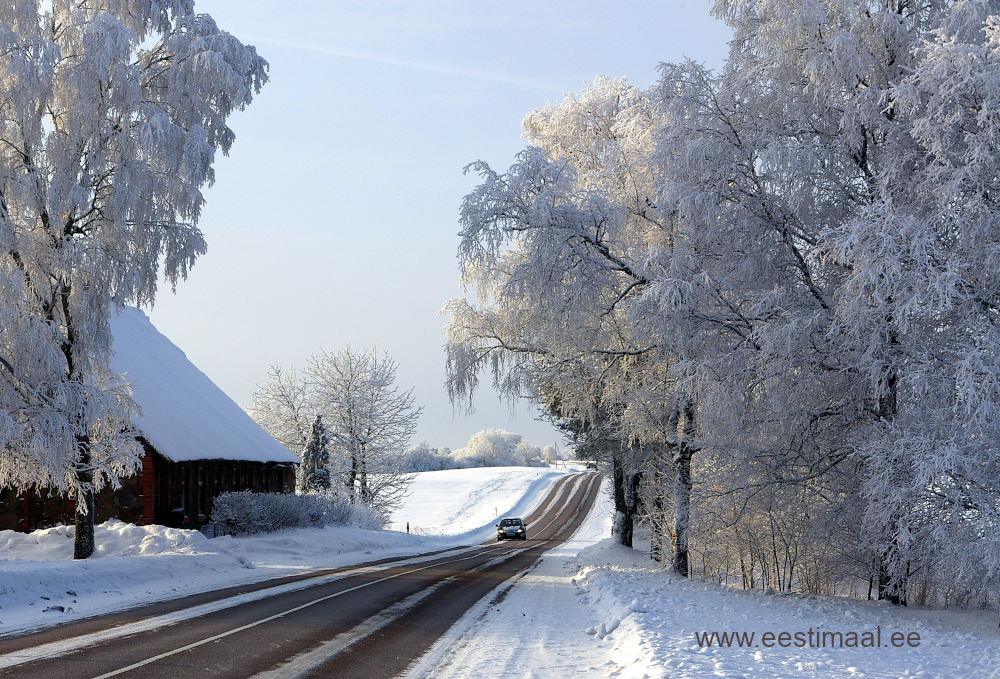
(367, 621)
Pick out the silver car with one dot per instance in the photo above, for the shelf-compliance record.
(512, 528)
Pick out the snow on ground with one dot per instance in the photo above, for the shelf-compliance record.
(651, 619)
(595, 609)
(475, 498)
(589, 608)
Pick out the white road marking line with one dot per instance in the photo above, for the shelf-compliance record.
(269, 618)
(63, 647)
(304, 663)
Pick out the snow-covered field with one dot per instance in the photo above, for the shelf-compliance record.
(590, 608)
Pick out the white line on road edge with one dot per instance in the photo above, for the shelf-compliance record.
(302, 664)
(59, 648)
(223, 635)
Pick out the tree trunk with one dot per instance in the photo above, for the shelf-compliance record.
(622, 528)
(657, 518)
(888, 407)
(83, 538)
(352, 478)
(682, 508)
(632, 480)
(626, 484)
(682, 491)
(888, 590)
(366, 496)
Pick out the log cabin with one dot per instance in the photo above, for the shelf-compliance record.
(198, 443)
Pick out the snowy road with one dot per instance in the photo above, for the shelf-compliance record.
(369, 621)
(534, 626)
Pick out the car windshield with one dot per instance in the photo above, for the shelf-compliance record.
(510, 522)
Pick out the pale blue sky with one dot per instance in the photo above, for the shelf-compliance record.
(335, 218)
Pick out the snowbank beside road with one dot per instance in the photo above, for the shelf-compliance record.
(650, 620)
(596, 609)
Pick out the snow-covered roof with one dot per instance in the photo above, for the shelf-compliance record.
(185, 416)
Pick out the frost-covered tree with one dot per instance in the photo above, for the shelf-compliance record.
(369, 421)
(498, 448)
(550, 246)
(313, 472)
(737, 282)
(111, 117)
(918, 313)
(555, 248)
(423, 458)
(281, 406)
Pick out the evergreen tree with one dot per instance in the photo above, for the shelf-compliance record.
(313, 473)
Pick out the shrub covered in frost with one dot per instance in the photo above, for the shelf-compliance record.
(499, 448)
(423, 458)
(246, 512)
(489, 448)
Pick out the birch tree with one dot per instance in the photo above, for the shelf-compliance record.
(554, 248)
(370, 422)
(919, 312)
(111, 117)
(281, 406)
(368, 419)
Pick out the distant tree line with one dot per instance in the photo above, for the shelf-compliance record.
(487, 448)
